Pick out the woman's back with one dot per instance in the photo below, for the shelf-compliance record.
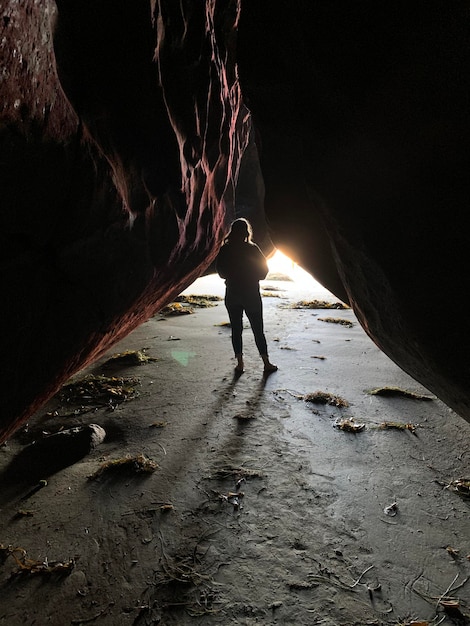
(242, 265)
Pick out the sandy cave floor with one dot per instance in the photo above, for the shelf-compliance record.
(308, 543)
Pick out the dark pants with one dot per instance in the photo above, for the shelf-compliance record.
(253, 307)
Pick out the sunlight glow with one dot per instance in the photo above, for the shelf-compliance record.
(300, 284)
(279, 263)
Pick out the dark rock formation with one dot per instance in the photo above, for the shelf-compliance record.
(122, 133)
(121, 136)
(363, 111)
(45, 456)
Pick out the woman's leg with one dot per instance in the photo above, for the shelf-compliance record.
(254, 313)
(235, 313)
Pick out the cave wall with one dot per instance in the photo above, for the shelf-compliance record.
(363, 112)
(119, 156)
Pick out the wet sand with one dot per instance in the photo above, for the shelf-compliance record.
(306, 539)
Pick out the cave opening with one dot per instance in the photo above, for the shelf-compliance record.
(282, 265)
(284, 275)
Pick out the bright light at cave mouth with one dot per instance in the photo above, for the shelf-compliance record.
(280, 265)
(281, 268)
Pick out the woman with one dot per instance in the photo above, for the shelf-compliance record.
(243, 265)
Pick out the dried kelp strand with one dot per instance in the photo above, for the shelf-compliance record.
(203, 301)
(460, 486)
(270, 294)
(23, 513)
(278, 276)
(317, 304)
(273, 288)
(322, 397)
(99, 390)
(176, 308)
(337, 320)
(129, 357)
(349, 425)
(31, 566)
(398, 426)
(397, 392)
(453, 552)
(139, 464)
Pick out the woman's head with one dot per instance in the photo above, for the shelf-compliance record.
(240, 231)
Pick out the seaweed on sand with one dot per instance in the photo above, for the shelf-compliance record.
(186, 581)
(139, 464)
(129, 357)
(323, 397)
(270, 294)
(461, 486)
(184, 305)
(26, 566)
(398, 426)
(203, 302)
(176, 308)
(99, 390)
(318, 397)
(317, 304)
(279, 276)
(337, 320)
(349, 425)
(390, 391)
(273, 288)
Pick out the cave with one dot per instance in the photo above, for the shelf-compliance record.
(133, 132)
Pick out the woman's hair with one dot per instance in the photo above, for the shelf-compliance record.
(240, 231)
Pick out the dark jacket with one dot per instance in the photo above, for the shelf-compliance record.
(242, 265)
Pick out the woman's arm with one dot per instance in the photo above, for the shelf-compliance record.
(261, 265)
(221, 262)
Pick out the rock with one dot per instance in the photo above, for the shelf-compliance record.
(364, 125)
(111, 205)
(48, 455)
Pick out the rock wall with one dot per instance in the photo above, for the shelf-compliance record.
(119, 156)
(363, 111)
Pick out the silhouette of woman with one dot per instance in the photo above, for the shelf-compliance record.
(243, 265)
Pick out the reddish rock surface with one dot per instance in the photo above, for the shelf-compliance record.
(119, 156)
